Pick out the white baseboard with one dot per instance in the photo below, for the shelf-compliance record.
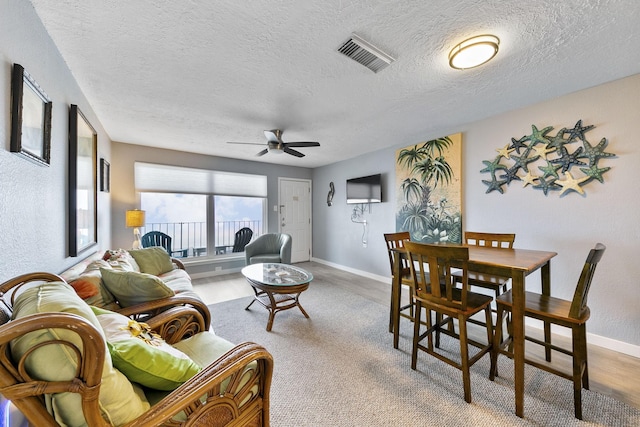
(384, 279)
(593, 339)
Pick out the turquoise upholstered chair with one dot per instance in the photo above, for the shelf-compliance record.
(271, 247)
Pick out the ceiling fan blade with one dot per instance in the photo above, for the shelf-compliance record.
(292, 152)
(302, 144)
(245, 143)
(263, 152)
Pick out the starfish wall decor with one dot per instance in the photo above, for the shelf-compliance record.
(548, 162)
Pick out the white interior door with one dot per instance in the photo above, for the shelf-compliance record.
(295, 215)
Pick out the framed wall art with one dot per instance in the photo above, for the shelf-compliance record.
(83, 195)
(30, 118)
(105, 176)
(429, 190)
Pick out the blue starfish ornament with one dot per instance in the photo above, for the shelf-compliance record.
(546, 186)
(510, 174)
(517, 144)
(578, 131)
(567, 159)
(494, 185)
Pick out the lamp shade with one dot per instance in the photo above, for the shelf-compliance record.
(474, 52)
(135, 218)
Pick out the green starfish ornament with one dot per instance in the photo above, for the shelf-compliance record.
(493, 166)
(595, 153)
(558, 141)
(523, 161)
(550, 170)
(594, 172)
(539, 136)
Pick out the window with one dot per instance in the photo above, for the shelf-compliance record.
(200, 223)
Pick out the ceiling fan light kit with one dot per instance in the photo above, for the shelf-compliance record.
(275, 144)
(474, 52)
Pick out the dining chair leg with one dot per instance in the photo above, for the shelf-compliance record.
(464, 358)
(438, 322)
(580, 368)
(497, 344)
(416, 334)
(391, 311)
(582, 336)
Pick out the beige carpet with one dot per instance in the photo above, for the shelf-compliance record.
(339, 368)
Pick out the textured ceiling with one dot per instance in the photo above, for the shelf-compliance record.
(192, 74)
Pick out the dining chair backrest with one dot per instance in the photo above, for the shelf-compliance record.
(156, 238)
(436, 264)
(579, 302)
(494, 240)
(393, 241)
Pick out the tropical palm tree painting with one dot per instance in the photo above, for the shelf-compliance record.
(429, 193)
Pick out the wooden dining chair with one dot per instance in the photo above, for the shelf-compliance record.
(497, 284)
(431, 264)
(393, 241)
(570, 314)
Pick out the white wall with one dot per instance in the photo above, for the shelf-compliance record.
(569, 225)
(33, 198)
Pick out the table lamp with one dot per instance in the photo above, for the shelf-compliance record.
(135, 219)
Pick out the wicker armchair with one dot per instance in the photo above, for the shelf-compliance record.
(233, 390)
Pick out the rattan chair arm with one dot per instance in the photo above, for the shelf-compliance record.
(234, 387)
(153, 308)
(178, 323)
(26, 393)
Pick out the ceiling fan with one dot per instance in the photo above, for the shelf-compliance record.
(277, 146)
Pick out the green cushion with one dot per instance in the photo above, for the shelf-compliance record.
(143, 357)
(120, 401)
(131, 287)
(154, 260)
(103, 298)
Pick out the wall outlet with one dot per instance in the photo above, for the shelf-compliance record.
(218, 268)
(275, 208)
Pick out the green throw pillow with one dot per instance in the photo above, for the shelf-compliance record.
(154, 260)
(142, 356)
(131, 287)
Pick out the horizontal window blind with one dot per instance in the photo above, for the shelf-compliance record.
(151, 177)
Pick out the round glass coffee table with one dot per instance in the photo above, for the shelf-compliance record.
(277, 287)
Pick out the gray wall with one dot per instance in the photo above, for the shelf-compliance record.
(569, 225)
(33, 198)
(125, 197)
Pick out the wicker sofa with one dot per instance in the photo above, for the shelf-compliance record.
(58, 358)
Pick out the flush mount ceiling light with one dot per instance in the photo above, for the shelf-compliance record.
(474, 52)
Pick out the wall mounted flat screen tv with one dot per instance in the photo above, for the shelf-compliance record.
(366, 189)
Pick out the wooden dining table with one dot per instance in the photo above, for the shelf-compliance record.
(514, 263)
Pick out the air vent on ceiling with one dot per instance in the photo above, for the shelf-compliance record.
(365, 53)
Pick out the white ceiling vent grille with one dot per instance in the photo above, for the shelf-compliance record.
(365, 53)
